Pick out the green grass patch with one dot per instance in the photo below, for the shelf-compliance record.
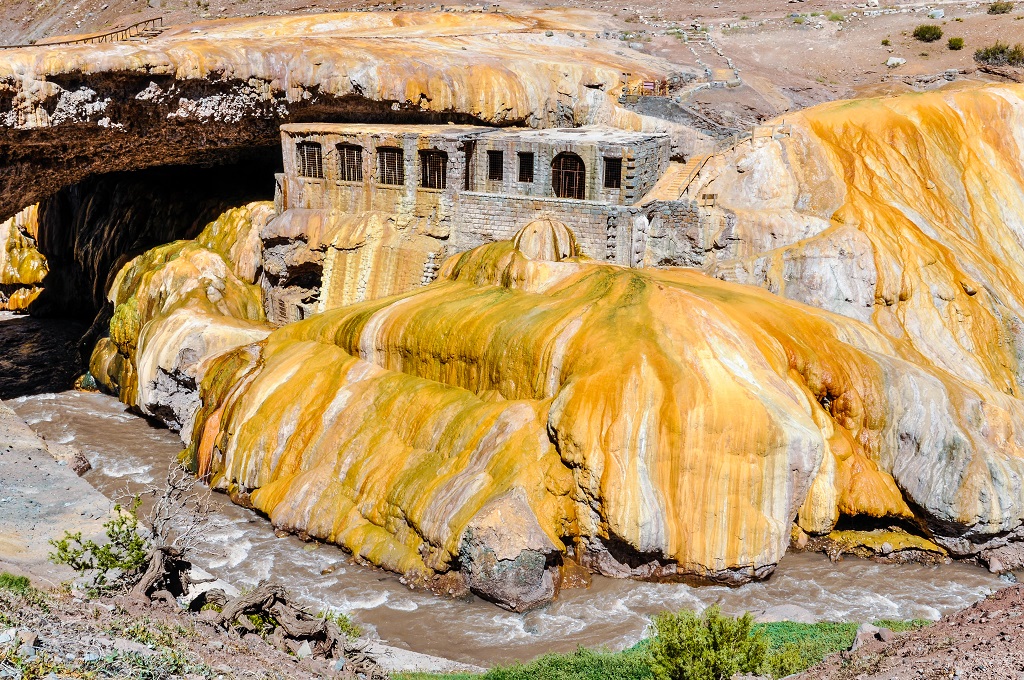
(583, 664)
(20, 586)
(789, 647)
(16, 584)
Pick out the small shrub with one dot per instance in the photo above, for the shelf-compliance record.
(744, 18)
(836, 16)
(886, 42)
(798, 20)
(706, 647)
(113, 564)
(956, 44)
(1000, 8)
(1000, 54)
(927, 32)
(346, 624)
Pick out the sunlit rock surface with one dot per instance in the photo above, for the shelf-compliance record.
(658, 423)
(22, 266)
(649, 423)
(907, 212)
(206, 92)
(177, 305)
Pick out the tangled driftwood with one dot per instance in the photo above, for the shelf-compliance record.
(177, 521)
(293, 627)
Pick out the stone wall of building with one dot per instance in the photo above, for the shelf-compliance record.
(600, 229)
(683, 235)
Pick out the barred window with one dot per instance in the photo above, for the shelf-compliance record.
(350, 163)
(612, 173)
(568, 176)
(526, 166)
(469, 179)
(495, 166)
(433, 169)
(310, 159)
(391, 164)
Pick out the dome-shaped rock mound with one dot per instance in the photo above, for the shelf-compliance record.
(546, 239)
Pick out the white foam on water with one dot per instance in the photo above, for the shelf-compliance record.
(367, 601)
(614, 614)
(121, 468)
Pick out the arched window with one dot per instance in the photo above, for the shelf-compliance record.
(568, 176)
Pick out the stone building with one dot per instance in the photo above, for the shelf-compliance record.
(371, 210)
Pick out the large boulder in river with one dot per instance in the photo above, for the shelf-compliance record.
(505, 554)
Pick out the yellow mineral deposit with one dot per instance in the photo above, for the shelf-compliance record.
(648, 422)
(486, 65)
(178, 304)
(916, 203)
(22, 266)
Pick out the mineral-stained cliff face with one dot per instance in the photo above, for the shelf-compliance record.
(22, 266)
(205, 92)
(177, 305)
(533, 406)
(906, 212)
(654, 423)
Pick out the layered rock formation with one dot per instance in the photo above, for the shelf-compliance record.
(533, 408)
(177, 305)
(905, 213)
(22, 266)
(205, 93)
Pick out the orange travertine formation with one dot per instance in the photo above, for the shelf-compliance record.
(916, 202)
(492, 66)
(176, 305)
(655, 423)
(22, 266)
(697, 418)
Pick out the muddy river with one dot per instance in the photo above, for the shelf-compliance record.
(126, 451)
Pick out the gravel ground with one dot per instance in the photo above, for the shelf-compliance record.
(69, 634)
(983, 642)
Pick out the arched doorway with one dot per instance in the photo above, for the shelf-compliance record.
(568, 176)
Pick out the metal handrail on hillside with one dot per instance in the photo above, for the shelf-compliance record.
(732, 141)
(125, 33)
